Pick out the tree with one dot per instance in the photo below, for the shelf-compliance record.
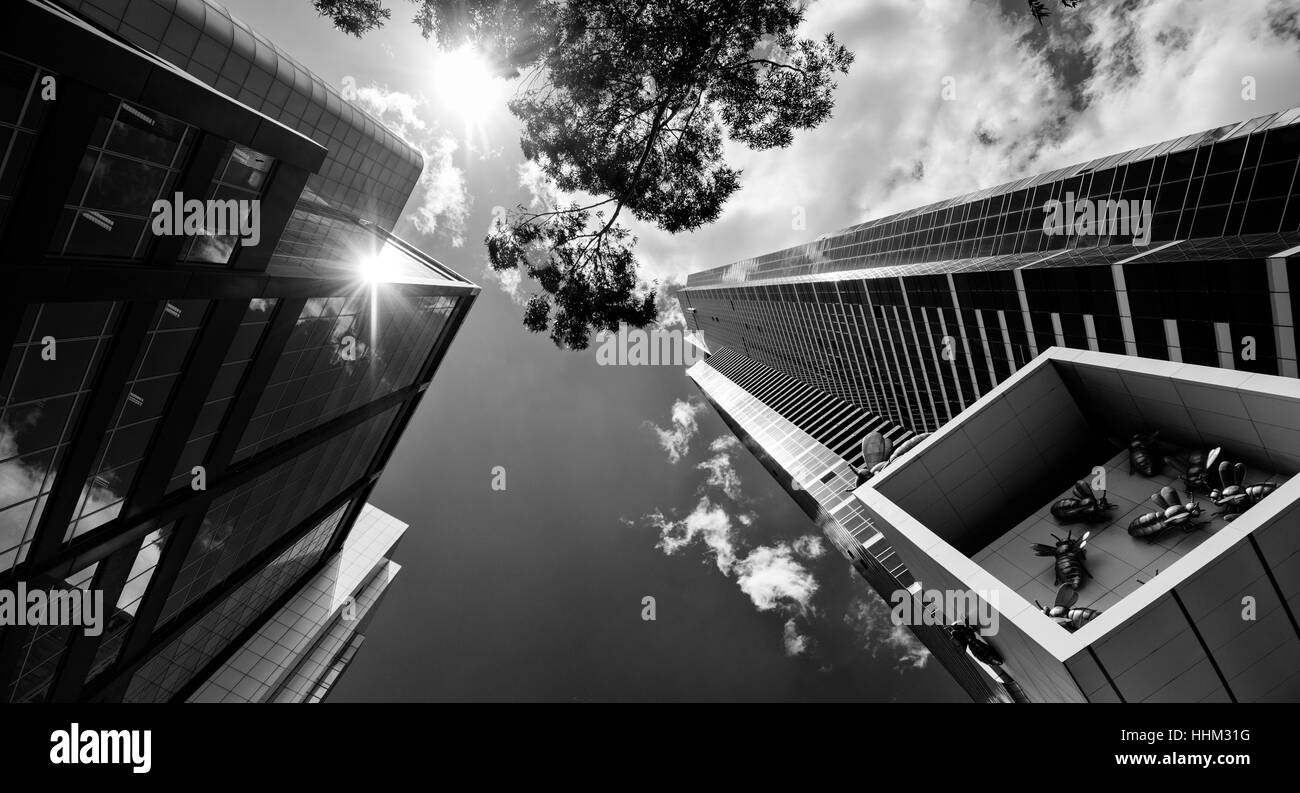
(354, 17)
(629, 104)
(1039, 11)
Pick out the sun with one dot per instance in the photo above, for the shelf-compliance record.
(374, 270)
(466, 85)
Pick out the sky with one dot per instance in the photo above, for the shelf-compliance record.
(620, 483)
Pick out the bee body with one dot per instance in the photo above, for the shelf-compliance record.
(1235, 497)
(1172, 514)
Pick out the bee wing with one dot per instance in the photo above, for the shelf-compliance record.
(1225, 473)
(1212, 457)
(1170, 496)
(1239, 473)
(873, 449)
(1084, 539)
(1067, 596)
(906, 445)
(1159, 500)
(1082, 490)
(1044, 550)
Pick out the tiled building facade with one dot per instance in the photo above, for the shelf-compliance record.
(901, 323)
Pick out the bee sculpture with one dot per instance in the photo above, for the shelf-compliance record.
(969, 640)
(1064, 612)
(1173, 513)
(1083, 507)
(1234, 497)
(1195, 470)
(878, 452)
(1070, 556)
(1142, 456)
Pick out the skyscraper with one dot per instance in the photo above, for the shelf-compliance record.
(906, 323)
(214, 339)
(298, 654)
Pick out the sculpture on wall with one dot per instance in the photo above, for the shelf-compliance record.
(1064, 611)
(969, 640)
(878, 452)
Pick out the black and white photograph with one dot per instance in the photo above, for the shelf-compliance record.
(909, 355)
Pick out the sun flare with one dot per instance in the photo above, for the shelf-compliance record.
(466, 85)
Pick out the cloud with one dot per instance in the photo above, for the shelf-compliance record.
(722, 472)
(21, 480)
(795, 643)
(442, 199)
(774, 577)
(868, 615)
(1103, 78)
(510, 281)
(676, 439)
(708, 523)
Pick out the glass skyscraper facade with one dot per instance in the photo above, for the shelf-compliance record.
(191, 423)
(901, 323)
(298, 654)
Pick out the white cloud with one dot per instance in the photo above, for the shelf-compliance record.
(721, 467)
(795, 642)
(708, 523)
(1138, 73)
(510, 281)
(869, 616)
(774, 577)
(442, 199)
(676, 439)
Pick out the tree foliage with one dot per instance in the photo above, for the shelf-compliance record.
(630, 103)
(1038, 10)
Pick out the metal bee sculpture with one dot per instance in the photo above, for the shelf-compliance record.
(1070, 556)
(1235, 497)
(1064, 612)
(1083, 507)
(1195, 469)
(1173, 513)
(878, 452)
(1142, 454)
(969, 640)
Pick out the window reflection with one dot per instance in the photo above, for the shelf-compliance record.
(241, 177)
(344, 351)
(139, 411)
(21, 114)
(45, 647)
(133, 159)
(133, 592)
(222, 394)
(43, 389)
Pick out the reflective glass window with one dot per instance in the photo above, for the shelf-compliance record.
(139, 410)
(134, 159)
(43, 388)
